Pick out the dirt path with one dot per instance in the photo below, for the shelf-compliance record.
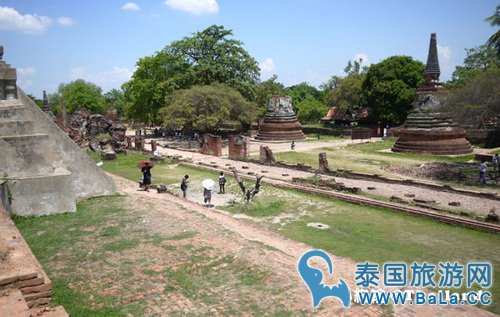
(272, 253)
(469, 204)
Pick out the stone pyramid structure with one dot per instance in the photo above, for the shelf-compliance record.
(426, 130)
(45, 171)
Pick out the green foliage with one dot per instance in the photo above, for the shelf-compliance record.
(477, 100)
(389, 88)
(115, 99)
(205, 58)
(494, 40)
(76, 94)
(478, 60)
(264, 91)
(37, 101)
(345, 92)
(310, 110)
(206, 108)
(302, 92)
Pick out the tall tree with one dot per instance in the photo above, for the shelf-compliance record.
(263, 92)
(346, 91)
(206, 108)
(114, 99)
(389, 88)
(80, 93)
(478, 60)
(207, 57)
(302, 92)
(477, 102)
(494, 40)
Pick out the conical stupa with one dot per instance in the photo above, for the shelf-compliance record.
(426, 130)
(280, 122)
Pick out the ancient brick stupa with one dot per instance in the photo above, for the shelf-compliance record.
(426, 130)
(280, 122)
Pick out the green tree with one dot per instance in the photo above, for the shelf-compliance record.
(302, 92)
(206, 108)
(80, 93)
(37, 101)
(478, 59)
(207, 57)
(389, 88)
(345, 92)
(263, 92)
(494, 40)
(114, 99)
(311, 110)
(477, 101)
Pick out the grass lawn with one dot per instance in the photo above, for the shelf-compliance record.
(358, 232)
(371, 234)
(372, 157)
(111, 258)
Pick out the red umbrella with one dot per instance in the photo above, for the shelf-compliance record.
(141, 164)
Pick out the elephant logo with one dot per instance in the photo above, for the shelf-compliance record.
(313, 279)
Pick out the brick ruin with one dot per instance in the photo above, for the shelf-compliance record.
(280, 122)
(211, 145)
(426, 130)
(238, 147)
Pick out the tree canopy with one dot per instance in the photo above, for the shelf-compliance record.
(114, 99)
(205, 58)
(206, 108)
(478, 59)
(494, 40)
(264, 91)
(345, 92)
(76, 94)
(389, 88)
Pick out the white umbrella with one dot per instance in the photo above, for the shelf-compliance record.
(208, 184)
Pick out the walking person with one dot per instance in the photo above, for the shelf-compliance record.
(222, 183)
(292, 146)
(496, 162)
(184, 185)
(208, 187)
(482, 172)
(146, 175)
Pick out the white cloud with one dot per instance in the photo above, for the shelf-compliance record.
(267, 65)
(445, 63)
(77, 73)
(65, 21)
(107, 80)
(23, 74)
(363, 57)
(444, 53)
(10, 19)
(26, 71)
(195, 7)
(131, 6)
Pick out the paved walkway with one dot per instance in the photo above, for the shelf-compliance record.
(472, 205)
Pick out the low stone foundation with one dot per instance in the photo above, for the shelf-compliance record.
(436, 142)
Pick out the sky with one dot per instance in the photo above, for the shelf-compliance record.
(57, 41)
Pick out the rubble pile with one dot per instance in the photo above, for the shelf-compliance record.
(434, 170)
(98, 132)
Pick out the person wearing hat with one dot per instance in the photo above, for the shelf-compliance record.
(146, 175)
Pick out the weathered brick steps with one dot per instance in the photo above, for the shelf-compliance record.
(13, 304)
(20, 268)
